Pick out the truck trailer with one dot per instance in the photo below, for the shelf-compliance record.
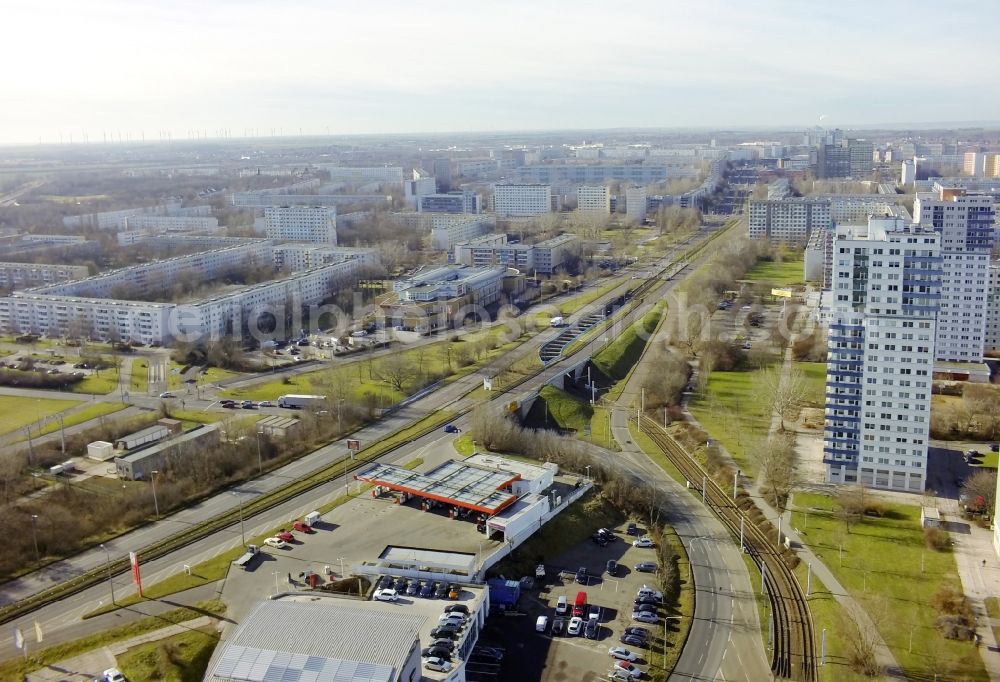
(299, 401)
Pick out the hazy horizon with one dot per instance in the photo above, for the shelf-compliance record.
(110, 67)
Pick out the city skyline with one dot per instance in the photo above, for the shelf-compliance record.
(151, 69)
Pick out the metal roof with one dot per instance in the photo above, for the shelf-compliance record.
(318, 642)
(431, 558)
(454, 483)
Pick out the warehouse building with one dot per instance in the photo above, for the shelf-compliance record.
(159, 456)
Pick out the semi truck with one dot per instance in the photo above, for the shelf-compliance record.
(299, 401)
(248, 557)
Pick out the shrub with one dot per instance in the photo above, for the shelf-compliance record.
(936, 539)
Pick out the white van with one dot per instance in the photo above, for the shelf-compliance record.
(542, 624)
(562, 606)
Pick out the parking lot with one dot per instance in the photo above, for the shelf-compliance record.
(571, 658)
(352, 533)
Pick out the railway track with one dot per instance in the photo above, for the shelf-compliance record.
(793, 654)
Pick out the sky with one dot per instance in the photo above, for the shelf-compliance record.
(92, 68)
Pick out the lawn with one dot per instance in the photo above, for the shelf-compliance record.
(896, 592)
(85, 414)
(786, 273)
(16, 413)
(362, 377)
(181, 658)
(563, 409)
(139, 382)
(815, 379)
(732, 412)
(622, 354)
(16, 669)
(101, 383)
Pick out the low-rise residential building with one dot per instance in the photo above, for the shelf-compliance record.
(450, 202)
(450, 229)
(23, 275)
(495, 251)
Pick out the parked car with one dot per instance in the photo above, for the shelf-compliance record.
(452, 618)
(632, 529)
(636, 631)
(399, 584)
(646, 600)
(558, 626)
(575, 625)
(426, 590)
(450, 631)
(248, 405)
(413, 588)
(112, 675)
(443, 643)
(645, 608)
(441, 591)
(608, 534)
(386, 594)
(436, 652)
(612, 567)
(621, 653)
(645, 617)
(284, 535)
(383, 582)
(632, 671)
(591, 629)
(453, 591)
(599, 540)
(643, 542)
(647, 591)
(581, 575)
(562, 605)
(303, 528)
(265, 403)
(633, 640)
(438, 664)
(457, 608)
(276, 542)
(646, 567)
(594, 613)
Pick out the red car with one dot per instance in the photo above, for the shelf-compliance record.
(302, 528)
(284, 535)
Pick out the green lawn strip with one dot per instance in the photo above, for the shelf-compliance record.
(183, 657)
(82, 415)
(567, 529)
(139, 381)
(199, 416)
(101, 384)
(992, 607)
(731, 412)
(16, 669)
(571, 305)
(600, 429)
(684, 608)
(897, 586)
(814, 374)
(565, 410)
(213, 375)
(827, 614)
(17, 412)
(786, 273)
(990, 460)
(463, 445)
(621, 355)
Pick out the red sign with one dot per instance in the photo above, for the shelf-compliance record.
(136, 578)
(353, 444)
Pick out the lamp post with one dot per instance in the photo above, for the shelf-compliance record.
(34, 535)
(111, 581)
(260, 462)
(243, 535)
(342, 574)
(588, 473)
(156, 503)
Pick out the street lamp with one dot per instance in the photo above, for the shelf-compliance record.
(156, 503)
(588, 473)
(34, 535)
(111, 581)
(342, 574)
(243, 536)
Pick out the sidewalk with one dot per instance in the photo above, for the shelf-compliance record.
(90, 665)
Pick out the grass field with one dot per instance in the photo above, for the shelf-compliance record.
(83, 415)
(621, 355)
(181, 658)
(16, 669)
(101, 384)
(898, 592)
(731, 411)
(565, 410)
(139, 382)
(362, 378)
(815, 377)
(16, 413)
(787, 273)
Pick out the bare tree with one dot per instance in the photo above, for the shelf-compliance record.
(775, 458)
(981, 488)
(850, 505)
(784, 392)
(862, 637)
(397, 371)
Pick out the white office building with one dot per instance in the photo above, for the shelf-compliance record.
(788, 220)
(316, 224)
(635, 203)
(516, 200)
(965, 223)
(421, 184)
(886, 283)
(593, 199)
(992, 344)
